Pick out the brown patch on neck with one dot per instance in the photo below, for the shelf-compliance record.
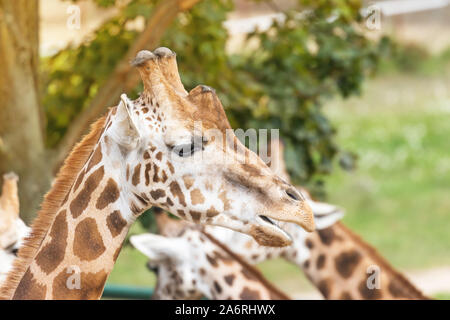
(50, 206)
(91, 286)
(81, 201)
(324, 287)
(109, 195)
(249, 294)
(29, 288)
(115, 223)
(53, 253)
(346, 262)
(250, 271)
(327, 235)
(88, 243)
(95, 159)
(403, 284)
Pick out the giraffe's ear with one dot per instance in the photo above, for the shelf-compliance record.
(158, 248)
(124, 129)
(325, 215)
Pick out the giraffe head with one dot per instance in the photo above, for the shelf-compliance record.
(325, 215)
(193, 265)
(181, 155)
(177, 262)
(12, 228)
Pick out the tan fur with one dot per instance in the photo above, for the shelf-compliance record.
(382, 262)
(52, 202)
(277, 293)
(9, 199)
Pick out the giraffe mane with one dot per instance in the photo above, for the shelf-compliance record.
(50, 205)
(258, 275)
(383, 263)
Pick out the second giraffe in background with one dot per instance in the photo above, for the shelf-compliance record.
(191, 264)
(338, 262)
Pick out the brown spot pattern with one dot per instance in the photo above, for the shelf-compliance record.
(324, 288)
(29, 288)
(79, 180)
(91, 286)
(345, 296)
(109, 195)
(211, 260)
(52, 254)
(176, 191)
(171, 168)
(136, 178)
(181, 213)
(188, 181)
(96, 158)
(197, 197)
(115, 223)
(320, 261)
(148, 167)
(217, 287)
(155, 174)
(368, 294)
(212, 212)
(326, 235)
(159, 193)
(248, 294)
(396, 289)
(195, 215)
(229, 279)
(346, 263)
(88, 244)
(80, 203)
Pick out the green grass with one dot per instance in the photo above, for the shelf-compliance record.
(442, 296)
(397, 198)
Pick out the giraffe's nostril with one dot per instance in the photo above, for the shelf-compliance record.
(293, 194)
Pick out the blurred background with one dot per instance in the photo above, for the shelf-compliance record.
(360, 91)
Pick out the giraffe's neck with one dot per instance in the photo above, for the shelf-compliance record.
(79, 232)
(80, 248)
(229, 277)
(342, 266)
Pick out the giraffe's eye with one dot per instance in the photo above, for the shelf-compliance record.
(186, 150)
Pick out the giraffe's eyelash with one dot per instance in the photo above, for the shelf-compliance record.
(186, 150)
(197, 141)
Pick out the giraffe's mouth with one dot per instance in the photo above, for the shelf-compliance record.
(267, 233)
(267, 219)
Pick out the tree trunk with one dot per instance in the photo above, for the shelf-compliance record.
(22, 148)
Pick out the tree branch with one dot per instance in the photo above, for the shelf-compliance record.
(123, 78)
